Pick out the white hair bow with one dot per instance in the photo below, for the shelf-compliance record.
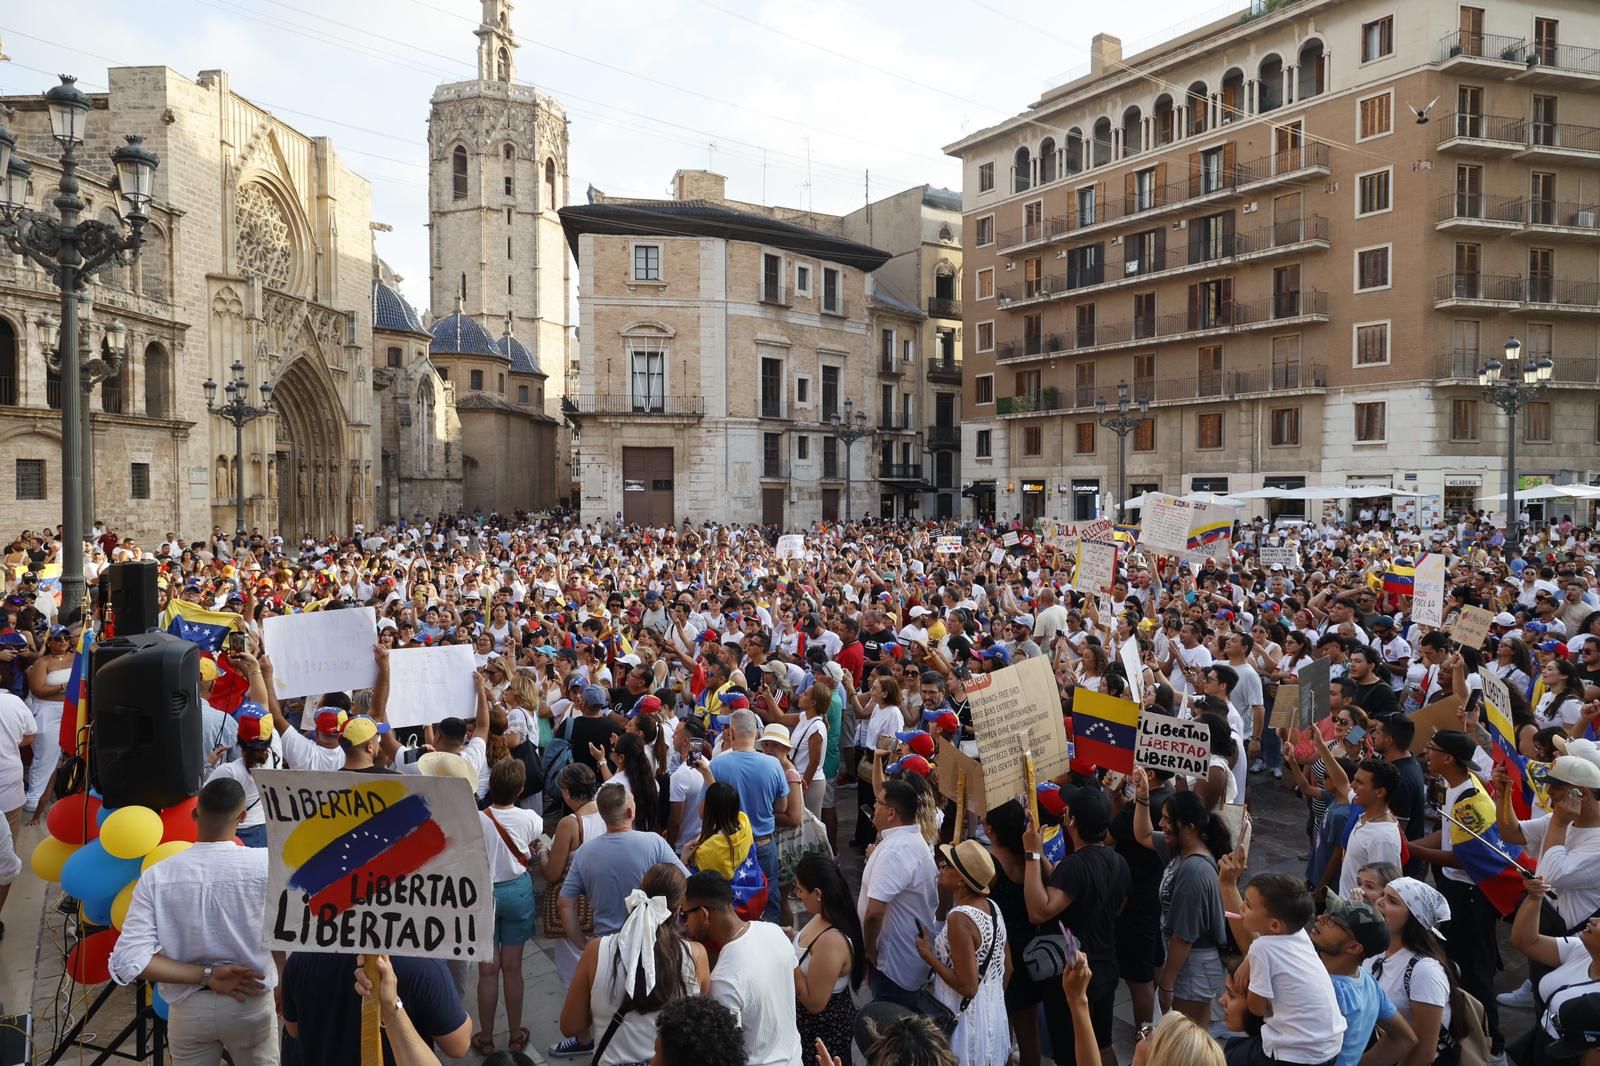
(636, 940)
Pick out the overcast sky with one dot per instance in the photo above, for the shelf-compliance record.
(796, 104)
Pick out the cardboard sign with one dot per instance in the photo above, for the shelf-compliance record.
(1285, 708)
(1011, 538)
(947, 546)
(1441, 714)
(1427, 593)
(1097, 566)
(365, 863)
(792, 546)
(1286, 556)
(1314, 683)
(1472, 628)
(950, 763)
(1232, 815)
(427, 684)
(1019, 699)
(1164, 523)
(323, 651)
(1175, 745)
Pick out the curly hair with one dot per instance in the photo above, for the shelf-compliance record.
(910, 1041)
(699, 1031)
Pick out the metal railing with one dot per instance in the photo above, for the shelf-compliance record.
(1562, 57)
(774, 466)
(1460, 364)
(1563, 213)
(1565, 291)
(900, 471)
(1211, 385)
(942, 308)
(1467, 206)
(889, 364)
(1481, 45)
(1561, 135)
(1472, 127)
(52, 392)
(1501, 288)
(8, 390)
(622, 403)
(944, 370)
(1277, 307)
(943, 438)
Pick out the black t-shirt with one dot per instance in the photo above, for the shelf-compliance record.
(622, 700)
(372, 770)
(1409, 801)
(1376, 698)
(872, 643)
(1589, 677)
(319, 995)
(1097, 880)
(1144, 865)
(585, 731)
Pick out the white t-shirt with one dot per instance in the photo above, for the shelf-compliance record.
(754, 978)
(522, 826)
(801, 753)
(1198, 656)
(1369, 842)
(1451, 794)
(1305, 1024)
(1569, 979)
(885, 721)
(1547, 713)
(687, 787)
(1573, 869)
(1428, 982)
(16, 723)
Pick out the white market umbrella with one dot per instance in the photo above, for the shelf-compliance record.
(1545, 492)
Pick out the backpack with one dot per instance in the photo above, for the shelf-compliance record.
(1469, 1027)
(557, 757)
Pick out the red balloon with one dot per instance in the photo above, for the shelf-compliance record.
(75, 820)
(90, 961)
(179, 822)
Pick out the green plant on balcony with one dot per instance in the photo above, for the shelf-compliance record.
(1052, 398)
(1511, 52)
(1455, 50)
(1052, 343)
(1014, 405)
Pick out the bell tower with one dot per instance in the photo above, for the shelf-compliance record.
(496, 45)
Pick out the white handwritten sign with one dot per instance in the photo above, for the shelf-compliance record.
(369, 864)
(1175, 745)
(1286, 556)
(1164, 524)
(792, 546)
(1020, 699)
(947, 546)
(427, 684)
(1010, 538)
(1065, 534)
(1472, 628)
(1097, 566)
(997, 557)
(323, 651)
(1129, 654)
(1427, 594)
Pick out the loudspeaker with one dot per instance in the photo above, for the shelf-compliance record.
(146, 744)
(132, 588)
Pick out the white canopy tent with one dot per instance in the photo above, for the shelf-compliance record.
(1195, 497)
(1548, 492)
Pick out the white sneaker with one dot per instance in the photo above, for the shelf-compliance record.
(1497, 1059)
(1257, 766)
(1520, 997)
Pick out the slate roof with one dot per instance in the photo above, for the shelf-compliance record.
(461, 334)
(522, 360)
(391, 313)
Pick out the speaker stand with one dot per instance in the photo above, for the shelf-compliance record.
(149, 1032)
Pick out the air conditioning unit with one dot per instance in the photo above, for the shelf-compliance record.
(1011, 266)
(1182, 223)
(1061, 254)
(1250, 208)
(1115, 241)
(1584, 219)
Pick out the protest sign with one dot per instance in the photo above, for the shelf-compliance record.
(1285, 708)
(953, 767)
(375, 865)
(1065, 535)
(1176, 745)
(322, 651)
(1498, 696)
(947, 546)
(1210, 532)
(1427, 593)
(1233, 816)
(427, 684)
(1164, 524)
(1097, 566)
(1129, 654)
(1472, 628)
(792, 546)
(1020, 699)
(1010, 538)
(1314, 682)
(997, 557)
(1441, 714)
(1286, 556)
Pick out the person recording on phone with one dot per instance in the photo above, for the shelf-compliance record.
(686, 788)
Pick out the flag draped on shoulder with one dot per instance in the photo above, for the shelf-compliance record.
(1492, 864)
(74, 705)
(191, 622)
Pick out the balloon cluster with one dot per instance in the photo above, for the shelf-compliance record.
(97, 855)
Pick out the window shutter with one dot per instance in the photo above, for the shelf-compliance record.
(1227, 233)
(1225, 287)
(1194, 306)
(1230, 162)
(1127, 192)
(1161, 250)
(1194, 174)
(1161, 185)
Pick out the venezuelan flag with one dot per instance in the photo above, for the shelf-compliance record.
(1104, 729)
(196, 624)
(1209, 533)
(1400, 581)
(381, 834)
(1528, 776)
(1482, 854)
(75, 704)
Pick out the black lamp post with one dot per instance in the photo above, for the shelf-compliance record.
(72, 251)
(851, 428)
(238, 410)
(1122, 423)
(1511, 386)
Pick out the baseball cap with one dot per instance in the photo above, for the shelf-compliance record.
(1575, 771)
(1051, 802)
(736, 700)
(1555, 647)
(1362, 921)
(1504, 618)
(595, 696)
(645, 705)
(1384, 621)
(1091, 810)
(917, 612)
(998, 653)
(255, 725)
(360, 729)
(914, 764)
(1538, 628)
(330, 721)
(1025, 620)
(1455, 743)
(1577, 1025)
(919, 742)
(1224, 615)
(630, 659)
(943, 721)
(545, 649)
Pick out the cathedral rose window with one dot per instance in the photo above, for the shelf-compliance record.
(262, 245)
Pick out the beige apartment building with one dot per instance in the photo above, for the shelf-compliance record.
(718, 343)
(1251, 227)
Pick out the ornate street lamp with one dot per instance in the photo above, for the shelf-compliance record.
(238, 410)
(1122, 423)
(850, 428)
(1511, 386)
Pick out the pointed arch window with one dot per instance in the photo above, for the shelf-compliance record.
(458, 173)
(550, 183)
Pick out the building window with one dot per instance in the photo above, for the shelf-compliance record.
(1285, 427)
(30, 479)
(508, 247)
(647, 262)
(1084, 445)
(508, 284)
(1371, 422)
(475, 380)
(830, 392)
(986, 177)
(771, 455)
(1464, 420)
(395, 356)
(1086, 206)
(647, 381)
(500, 384)
(1372, 343)
(139, 481)
(985, 336)
(1144, 436)
(981, 439)
(1032, 440)
(985, 230)
(1372, 268)
(832, 297)
(444, 373)
(510, 185)
(983, 389)
(1208, 432)
(1211, 169)
(522, 394)
(1372, 192)
(802, 390)
(771, 388)
(1536, 424)
(802, 447)
(1377, 39)
(458, 173)
(1086, 266)
(986, 283)
(771, 278)
(1375, 117)
(802, 280)
(1144, 189)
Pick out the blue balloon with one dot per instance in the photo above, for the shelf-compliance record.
(157, 1003)
(92, 873)
(98, 911)
(102, 814)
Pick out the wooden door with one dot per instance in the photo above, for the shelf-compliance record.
(647, 486)
(1471, 30)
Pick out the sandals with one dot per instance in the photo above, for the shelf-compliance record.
(483, 1044)
(519, 1040)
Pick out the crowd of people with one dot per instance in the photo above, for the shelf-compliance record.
(670, 722)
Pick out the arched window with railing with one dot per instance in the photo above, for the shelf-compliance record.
(1022, 170)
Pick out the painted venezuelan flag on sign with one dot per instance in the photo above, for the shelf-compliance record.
(1209, 533)
(381, 833)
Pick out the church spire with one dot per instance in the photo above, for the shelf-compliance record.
(496, 43)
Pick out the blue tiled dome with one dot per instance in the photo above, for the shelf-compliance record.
(461, 334)
(391, 313)
(522, 360)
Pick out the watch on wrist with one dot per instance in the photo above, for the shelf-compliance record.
(1033, 856)
(205, 976)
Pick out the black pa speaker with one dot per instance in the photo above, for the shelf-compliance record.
(132, 590)
(146, 743)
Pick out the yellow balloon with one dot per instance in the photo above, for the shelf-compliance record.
(163, 851)
(49, 856)
(119, 906)
(130, 832)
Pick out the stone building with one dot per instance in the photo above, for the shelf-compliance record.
(422, 460)
(717, 344)
(260, 250)
(1248, 225)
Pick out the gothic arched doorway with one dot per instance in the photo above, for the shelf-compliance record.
(309, 453)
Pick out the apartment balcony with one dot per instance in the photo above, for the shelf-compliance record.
(944, 438)
(1564, 65)
(1203, 388)
(944, 371)
(1551, 296)
(1482, 54)
(1301, 307)
(1478, 214)
(947, 309)
(1460, 366)
(890, 365)
(1484, 292)
(1026, 292)
(1562, 220)
(624, 405)
(774, 468)
(1481, 136)
(1256, 175)
(1559, 142)
(899, 471)
(1046, 344)
(888, 423)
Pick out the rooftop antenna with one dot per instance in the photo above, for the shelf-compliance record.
(711, 151)
(763, 175)
(809, 198)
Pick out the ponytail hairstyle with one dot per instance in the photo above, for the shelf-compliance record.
(667, 881)
(1187, 809)
(630, 752)
(819, 872)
